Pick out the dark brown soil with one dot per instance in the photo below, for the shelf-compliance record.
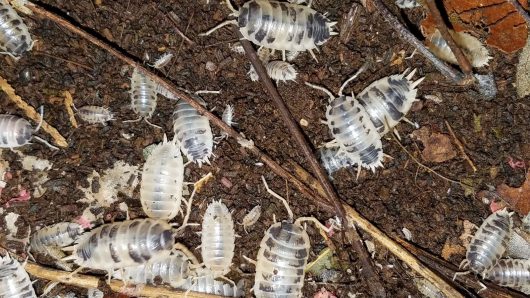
(401, 195)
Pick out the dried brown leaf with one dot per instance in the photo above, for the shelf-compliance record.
(518, 198)
(451, 249)
(437, 146)
(522, 81)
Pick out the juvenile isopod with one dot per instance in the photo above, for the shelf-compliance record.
(489, 243)
(14, 280)
(143, 96)
(14, 35)
(473, 49)
(122, 244)
(510, 273)
(281, 71)
(217, 239)
(334, 159)
(162, 61)
(16, 132)
(193, 132)
(95, 114)
(280, 26)
(251, 218)
(162, 181)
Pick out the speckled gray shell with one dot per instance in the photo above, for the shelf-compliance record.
(172, 270)
(57, 235)
(123, 244)
(281, 71)
(14, 36)
(334, 159)
(14, 131)
(356, 135)
(95, 114)
(281, 260)
(162, 182)
(193, 132)
(217, 238)
(143, 94)
(488, 244)
(14, 280)
(511, 273)
(283, 26)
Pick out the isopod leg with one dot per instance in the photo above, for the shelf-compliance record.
(361, 70)
(331, 96)
(45, 142)
(313, 55)
(48, 287)
(316, 222)
(270, 191)
(249, 260)
(229, 22)
(186, 252)
(227, 280)
(154, 125)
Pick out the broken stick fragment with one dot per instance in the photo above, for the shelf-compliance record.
(69, 103)
(31, 113)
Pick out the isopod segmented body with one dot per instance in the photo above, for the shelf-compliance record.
(14, 131)
(162, 181)
(510, 273)
(334, 159)
(217, 238)
(14, 280)
(252, 217)
(281, 26)
(123, 244)
(173, 270)
(143, 95)
(95, 114)
(281, 71)
(14, 35)
(472, 48)
(206, 283)
(58, 235)
(488, 244)
(193, 132)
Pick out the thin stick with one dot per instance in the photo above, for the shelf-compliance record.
(88, 282)
(521, 11)
(461, 147)
(463, 62)
(174, 19)
(69, 103)
(275, 167)
(31, 113)
(408, 37)
(371, 278)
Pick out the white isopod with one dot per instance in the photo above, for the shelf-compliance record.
(16, 132)
(173, 270)
(122, 244)
(14, 280)
(252, 217)
(217, 239)
(193, 132)
(473, 49)
(281, 26)
(95, 114)
(205, 283)
(517, 247)
(162, 61)
(489, 243)
(334, 159)
(57, 235)
(14, 35)
(281, 71)
(407, 3)
(510, 273)
(143, 96)
(162, 181)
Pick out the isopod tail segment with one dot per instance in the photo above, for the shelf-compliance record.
(41, 112)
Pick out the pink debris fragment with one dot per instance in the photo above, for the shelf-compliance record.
(331, 232)
(23, 196)
(494, 206)
(226, 182)
(515, 164)
(323, 293)
(7, 176)
(85, 223)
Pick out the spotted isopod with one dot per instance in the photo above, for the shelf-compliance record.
(122, 244)
(252, 217)
(510, 273)
(334, 159)
(16, 132)
(143, 96)
(281, 71)
(14, 280)
(57, 235)
(95, 114)
(280, 26)
(14, 35)
(162, 181)
(217, 238)
(488, 244)
(193, 132)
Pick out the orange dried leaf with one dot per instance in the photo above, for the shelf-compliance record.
(517, 198)
(438, 147)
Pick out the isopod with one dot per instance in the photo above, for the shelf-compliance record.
(427, 288)
(58, 235)
(162, 181)
(206, 283)
(510, 273)
(407, 3)
(281, 71)
(517, 247)
(173, 270)
(14, 35)
(251, 218)
(489, 242)
(334, 159)
(122, 244)
(143, 96)
(162, 61)
(16, 131)
(217, 239)
(14, 280)
(95, 114)
(193, 132)
(473, 49)
(280, 26)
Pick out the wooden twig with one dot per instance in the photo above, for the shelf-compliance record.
(88, 282)
(58, 139)
(521, 11)
(461, 147)
(408, 37)
(65, 60)
(69, 103)
(174, 19)
(463, 62)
